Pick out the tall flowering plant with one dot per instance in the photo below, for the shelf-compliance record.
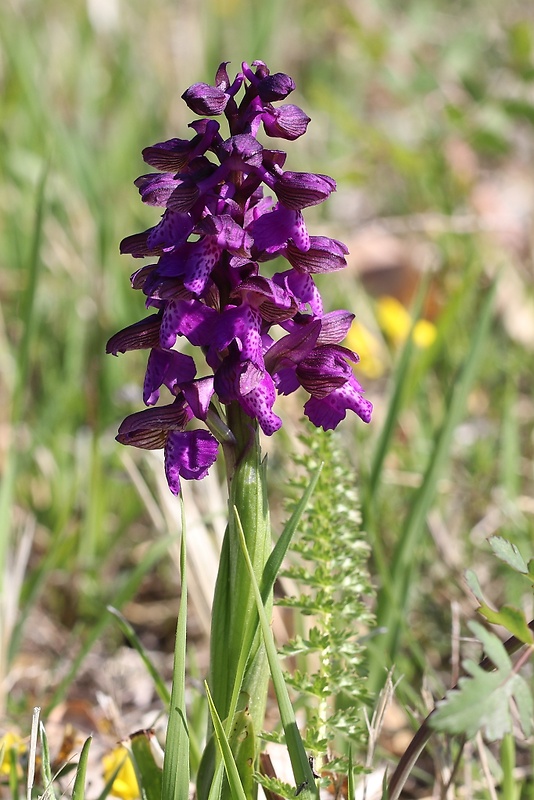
(229, 206)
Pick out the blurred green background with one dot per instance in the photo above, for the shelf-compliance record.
(423, 112)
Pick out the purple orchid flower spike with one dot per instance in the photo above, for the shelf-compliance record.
(256, 337)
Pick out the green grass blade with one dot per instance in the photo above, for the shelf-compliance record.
(46, 768)
(27, 317)
(392, 603)
(14, 785)
(111, 780)
(78, 791)
(176, 761)
(299, 761)
(270, 573)
(236, 787)
(147, 771)
(274, 562)
(136, 643)
(124, 593)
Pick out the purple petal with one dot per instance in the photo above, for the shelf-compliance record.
(241, 324)
(205, 100)
(189, 318)
(148, 429)
(169, 156)
(155, 189)
(198, 394)
(334, 327)
(140, 335)
(172, 231)
(323, 255)
(287, 122)
(271, 231)
(297, 190)
(301, 285)
(189, 454)
(329, 411)
(169, 368)
(228, 234)
(242, 149)
(275, 87)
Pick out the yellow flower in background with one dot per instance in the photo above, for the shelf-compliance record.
(368, 347)
(396, 323)
(125, 784)
(8, 742)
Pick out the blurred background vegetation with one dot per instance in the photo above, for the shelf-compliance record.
(423, 112)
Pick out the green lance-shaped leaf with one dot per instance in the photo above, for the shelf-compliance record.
(78, 791)
(136, 643)
(209, 779)
(175, 779)
(46, 767)
(482, 699)
(230, 766)
(147, 770)
(302, 772)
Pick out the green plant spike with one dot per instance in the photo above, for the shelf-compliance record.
(176, 766)
(148, 772)
(211, 779)
(302, 772)
(78, 790)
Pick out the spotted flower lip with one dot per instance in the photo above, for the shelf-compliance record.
(228, 205)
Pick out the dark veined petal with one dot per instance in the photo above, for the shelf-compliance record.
(327, 412)
(155, 189)
(139, 336)
(334, 327)
(275, 87)
(148, 429)
(169, 156)
(299, 190)
(205, 100)
(287, 122)
(323, 255)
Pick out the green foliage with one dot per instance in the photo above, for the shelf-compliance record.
(332, 573)
(482, 700)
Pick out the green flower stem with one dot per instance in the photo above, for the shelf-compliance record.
(234, 602)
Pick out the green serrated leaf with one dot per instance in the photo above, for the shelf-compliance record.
(530, 567)
(508, 553)
(513, 619)
(482, 701)
(525, 705)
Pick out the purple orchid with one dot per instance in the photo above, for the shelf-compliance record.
(205, 286)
